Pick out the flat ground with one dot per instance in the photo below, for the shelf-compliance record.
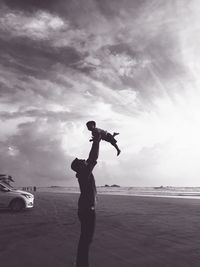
(130, 232)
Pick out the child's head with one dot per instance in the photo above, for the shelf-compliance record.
(91, 125)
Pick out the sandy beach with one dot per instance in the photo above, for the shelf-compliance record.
(130, 232)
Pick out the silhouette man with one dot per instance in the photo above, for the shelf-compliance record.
(86, 202)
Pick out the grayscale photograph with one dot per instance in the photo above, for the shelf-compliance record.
(100, 133)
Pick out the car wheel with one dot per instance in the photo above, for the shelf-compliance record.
(17, 205)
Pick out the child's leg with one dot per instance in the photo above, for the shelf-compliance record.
(110, 138)
(114, 134)
(117, 148)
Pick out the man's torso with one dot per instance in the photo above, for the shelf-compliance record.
(88, 191)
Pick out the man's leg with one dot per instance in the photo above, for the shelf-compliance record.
(87, 220)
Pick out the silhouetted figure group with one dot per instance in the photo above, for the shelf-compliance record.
(30, 188)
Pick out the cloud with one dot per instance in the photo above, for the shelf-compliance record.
(38, 158)
(113, 66)
(42, 26)
(39, 26)
(104, 55)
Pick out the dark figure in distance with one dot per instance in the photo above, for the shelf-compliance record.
(104, 135)
(86, 202)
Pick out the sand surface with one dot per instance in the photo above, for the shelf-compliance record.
(130, 231)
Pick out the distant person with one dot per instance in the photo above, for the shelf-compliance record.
(86, 202)
(104, 135)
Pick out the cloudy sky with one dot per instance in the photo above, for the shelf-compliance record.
(132, 66)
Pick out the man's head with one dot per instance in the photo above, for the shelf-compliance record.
(78, 165)
(91, 125)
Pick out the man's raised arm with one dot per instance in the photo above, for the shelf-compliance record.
(94, 152)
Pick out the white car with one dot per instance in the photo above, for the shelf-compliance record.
(14, 199)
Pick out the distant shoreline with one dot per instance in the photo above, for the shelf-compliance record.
(172, 192)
